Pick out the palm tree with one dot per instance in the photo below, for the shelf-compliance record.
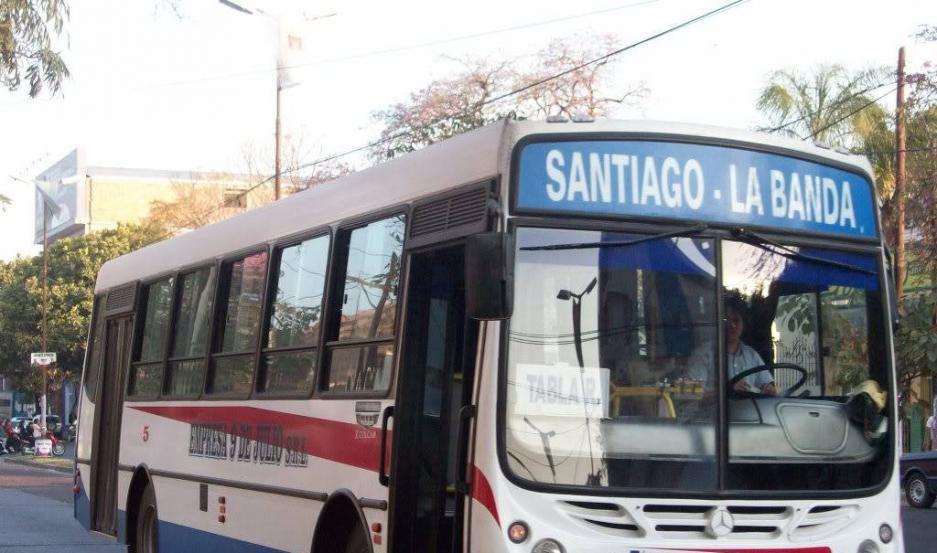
(826, 106)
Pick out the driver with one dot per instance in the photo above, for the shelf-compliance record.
(739, 355)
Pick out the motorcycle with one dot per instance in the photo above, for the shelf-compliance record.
(58, 446)
(20, 445)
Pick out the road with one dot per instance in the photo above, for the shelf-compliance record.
(37, 516)
(36, 507)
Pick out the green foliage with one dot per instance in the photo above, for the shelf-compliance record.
(916, 340)
(73, 265)
(825, 106)
(27, 28)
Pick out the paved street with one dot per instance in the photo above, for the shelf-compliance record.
(919, 525)
(37, 516)
(36, 507)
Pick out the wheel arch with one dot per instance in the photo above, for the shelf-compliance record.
(340, 515)
(141, 478)
(909, 472)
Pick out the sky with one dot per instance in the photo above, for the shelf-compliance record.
(193, 88)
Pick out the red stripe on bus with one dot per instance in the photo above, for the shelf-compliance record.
(481, 492)
(342, 442)
(747, 550)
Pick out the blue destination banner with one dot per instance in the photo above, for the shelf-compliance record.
(694, 182)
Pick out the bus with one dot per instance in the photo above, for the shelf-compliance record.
(545, 337)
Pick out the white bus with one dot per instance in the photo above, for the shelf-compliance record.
(602, 337)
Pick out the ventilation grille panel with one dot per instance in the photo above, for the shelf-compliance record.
(824, 520)
(120, 299)
(690, 521)
(467, 209)
(608, 518)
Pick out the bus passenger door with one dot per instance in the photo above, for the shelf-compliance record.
(433, 408)
(106, 448)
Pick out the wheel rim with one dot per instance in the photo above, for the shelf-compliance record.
(916, 491)
(149, 530)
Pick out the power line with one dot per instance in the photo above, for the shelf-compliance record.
(843, 101)
(406, 48)
(600, 59)
(514, 92)
(847, 116)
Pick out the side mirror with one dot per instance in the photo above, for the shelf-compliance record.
(489, 276)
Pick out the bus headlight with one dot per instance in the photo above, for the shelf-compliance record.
(868, 546)
(550, 546)
(885, 533)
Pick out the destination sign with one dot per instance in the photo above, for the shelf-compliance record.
(694, 182)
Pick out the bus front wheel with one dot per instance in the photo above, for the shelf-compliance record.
(147, 531)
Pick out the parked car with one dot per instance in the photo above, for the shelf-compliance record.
(919, 478)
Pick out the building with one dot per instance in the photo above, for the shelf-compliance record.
(89, 197)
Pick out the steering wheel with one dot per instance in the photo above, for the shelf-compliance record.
(769, 366)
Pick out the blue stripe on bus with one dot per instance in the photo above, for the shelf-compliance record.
(82, 507)
(175, 537)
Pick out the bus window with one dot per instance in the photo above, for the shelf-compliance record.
(186, 367)
(796, 340)
(233, 360)
(368, 308)
(291, 348)
(93, 368)
(147, 370)
(822, 407)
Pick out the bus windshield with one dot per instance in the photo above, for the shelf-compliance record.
(616, 354)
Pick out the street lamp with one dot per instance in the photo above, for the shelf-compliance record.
(280, 84)
(48, 207)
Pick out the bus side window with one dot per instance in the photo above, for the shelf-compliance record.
(361, 349)
(185, 371)
(146, 371)
(231, 370)
(290, 355)
(96, 342)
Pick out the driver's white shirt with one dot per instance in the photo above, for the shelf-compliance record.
(701, 366)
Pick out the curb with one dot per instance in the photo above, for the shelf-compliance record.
(29, 462)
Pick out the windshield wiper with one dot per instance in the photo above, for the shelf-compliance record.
(620, 243)
(760, 241)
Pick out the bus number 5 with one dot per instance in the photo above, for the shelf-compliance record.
(146, 433)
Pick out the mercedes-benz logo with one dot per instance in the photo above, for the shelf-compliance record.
(721, 522)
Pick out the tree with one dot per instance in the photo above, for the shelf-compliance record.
(916, 343)
(825, 106)
(27, 30)
(73, 267)
(484, 91)
(212, 199)
(4, 202)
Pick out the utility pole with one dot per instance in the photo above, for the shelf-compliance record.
(45, 309)
(276, 156)
(48, 207)
(900, 152)
(281, 67)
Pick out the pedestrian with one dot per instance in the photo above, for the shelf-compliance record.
(932, 427)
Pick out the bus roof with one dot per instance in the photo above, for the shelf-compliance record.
(471, 157)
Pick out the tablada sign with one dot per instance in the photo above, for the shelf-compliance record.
(694, 182)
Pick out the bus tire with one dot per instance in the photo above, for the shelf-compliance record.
(146, 537)
(917, 493)
(357, 542)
